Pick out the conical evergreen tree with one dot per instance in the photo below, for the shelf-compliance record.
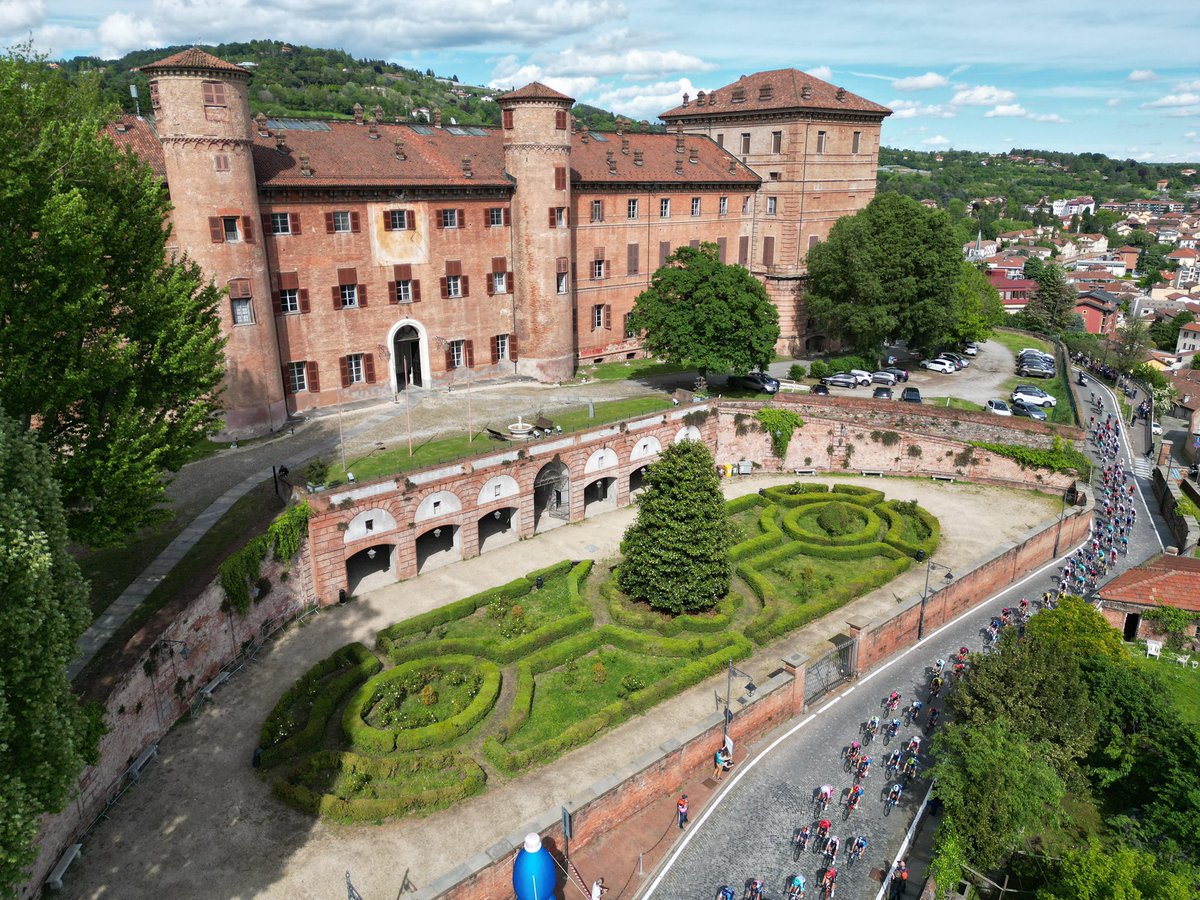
(677, 552)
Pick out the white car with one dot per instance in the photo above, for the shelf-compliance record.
(938, 365)
(1034, 396)
(884, 378)
(971, 350)
(1156, 427)
(863, 378)
(999, 407)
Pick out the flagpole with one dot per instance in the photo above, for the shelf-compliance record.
(407, 407)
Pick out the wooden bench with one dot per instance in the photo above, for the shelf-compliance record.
(874, 473)
(496, 435)
(134, 772)
(805, 471)
(544, 424)
(207, 691)
(54, 880)
(949, 478)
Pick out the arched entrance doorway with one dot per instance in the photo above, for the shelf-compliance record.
(637, 481)
(438, 547)
(815, 344)
(406, 357)
(600, 496)
(497, 528)
(551, 496)
(370, 568)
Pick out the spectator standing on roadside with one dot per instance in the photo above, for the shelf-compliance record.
(682, 809)
(598, 889)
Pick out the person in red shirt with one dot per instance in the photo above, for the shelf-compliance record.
(682, 809)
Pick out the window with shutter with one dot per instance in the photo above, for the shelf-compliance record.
(221, 162)
(304, 307)
(329, 223)
(344, 367)
(495, 349)
(744, 250)
(369, 367)
(216, 230)
(694, 244)
(560, 178)
(354, 224)
(214, 93)
(608, 316)
(248, 229)
(856, 142)
(721, 242)
(664, 251)
(506, 118)
(560, 119)
(768, 252)
(294, 222)
(491, 283)
(314, 377)
(512, 348)
(469, 353)
(631, 259)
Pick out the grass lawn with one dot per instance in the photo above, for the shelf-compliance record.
(1056, 387)
(954, 403)
(745, 524)
(395, 459)
(351, 783)
(803, 578)
(915, 531)
(566, 695)
(1182, 681)
(1016, 342)
(628, 371)
(443, 694)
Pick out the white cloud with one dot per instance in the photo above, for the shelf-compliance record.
(1184, 112)
(1113, 102)
(924, 82)
(982, 95)
(1142, 75)
(1006, 110)
(121, 32)
(823, 72)
(911, 109)
(1187, 99)
(645, 101)
(21, 15)
(938, 141)
(1184, 86)
(1049, 117)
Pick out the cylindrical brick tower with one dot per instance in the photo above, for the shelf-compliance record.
(537, 156)
(203, 120)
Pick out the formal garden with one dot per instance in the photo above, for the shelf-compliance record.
(511, 678)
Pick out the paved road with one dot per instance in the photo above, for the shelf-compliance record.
(746, 832)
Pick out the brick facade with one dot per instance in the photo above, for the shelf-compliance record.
(362, 257)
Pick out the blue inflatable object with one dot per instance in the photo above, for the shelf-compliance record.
(534, 875)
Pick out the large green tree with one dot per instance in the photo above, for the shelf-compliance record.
(1052, 306)
(1165, 332)
(889, 271)
(1133, 340)
(704, 314)
(977, 307)
(110, 351)
(676, 555)
(45, 736)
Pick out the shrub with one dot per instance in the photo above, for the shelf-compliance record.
(599, 673)
(796, 372)
(818, 369)
(1063, 458)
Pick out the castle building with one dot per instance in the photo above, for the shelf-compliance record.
(362, 257)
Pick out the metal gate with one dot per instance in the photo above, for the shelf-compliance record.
(828, 671)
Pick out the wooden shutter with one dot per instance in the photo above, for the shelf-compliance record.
(464, 284)
(294, 222)
(512, 348)
(506, 118)
(266, 224)
(439, 220)
(449, 357)
(664, 251)
(329, 223)
(277, 302)
(314, 377)
(553, 217)
(354, 225)
(608, 316)
(289, 280)
(337, 296)
(744, 250)
(454, 267)
(304, 300)
(387, 220)
(560, 119)
(631, 259)
(504, 212)
(402, 272)
(362, 296)
(495, 349)
(347, 276)
(469, 354)
(510, 284)
(560, 178)
(561, 265)
(344, 366)
(694, 244)
(445, 288)
(721, 242)
(415, 289)
(393, 293)
(287, 380)
(462, 218)
(248, 229)
(410, 220)
(369, 367)
(768, 251)
(216, 230)
(491, 285)
(499, 264)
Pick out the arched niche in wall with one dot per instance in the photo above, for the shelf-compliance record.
(600, 460)
(367, 523)
(497, 488)
(437, 504)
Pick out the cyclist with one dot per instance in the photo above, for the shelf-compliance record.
(856, 793)
(914, 710)
(933, 717)
(962, 654)
(797, 887)
(895, 794)
(893, 762)
(872, 727)
(935, 685)
(831, 849)
(893, 700)
(859, 847)
(803, 837)
(960, 669)
(864, 766)
(914, 744)
(910, 767)
(823, 829)
(755, 889)
(829, 880)
(855, 750)
(726, 893)
(939, 666)
(825, 796)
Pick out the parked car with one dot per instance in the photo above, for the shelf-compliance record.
(1035, 370)
(820, 390)
(882, 393)
(957, 357)
(901, 374)
(1026, 350)
(1035, 356)
(1021, 408)
(864, 378)
(1156, 427)
(841, 379)
(957, 364)
(910, 395)
(998, 407)
(938, 365)
(760, 381)
(883, 377)
(1034, 396)
(970, 350)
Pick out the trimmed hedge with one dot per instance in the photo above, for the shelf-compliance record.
(470, 780)
(736, 647)
(359, 663)
(796, 493)
(623, 612)
(894, 535)
(855, 493)
(369, 739)
(459, 609)
(741, 504)
(869, 532)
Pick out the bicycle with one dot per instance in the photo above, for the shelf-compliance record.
(894, 796)
(859, 848)
(796, 888)
(800, 842)
(829, 884)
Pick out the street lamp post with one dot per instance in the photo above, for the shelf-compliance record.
(929, 567)
(1061, 513)
(443, 343)
(750, 689)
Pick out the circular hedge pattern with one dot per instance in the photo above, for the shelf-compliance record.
(833, 523)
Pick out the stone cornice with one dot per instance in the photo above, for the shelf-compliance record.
(206, 141)
(392, 194)
(774, 116)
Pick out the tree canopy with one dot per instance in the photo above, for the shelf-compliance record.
(704, 314)
(676, 555)
(45, 736)
(1052, 307)
(892, 270)
(110, 353)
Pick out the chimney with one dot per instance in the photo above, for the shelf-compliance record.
(841, 94)
(400, 150)
(637, 158)
(806, 92)
(685, 99)
(624, 146)
(358, 113)
(373, 131)
(377, 112)
(260, 122)
(693, 155)
(305, 168)
(712, 99)
(732, 167)
(437, 118)
(466, 167)
(679, 137)
(765, 92)
(120, 127)
(699, 98)
(281, 141)
(612, 162)
(583, 133)
(678, 167)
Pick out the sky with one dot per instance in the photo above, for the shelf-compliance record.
(1100, 76)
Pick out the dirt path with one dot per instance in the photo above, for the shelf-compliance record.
(203, 825)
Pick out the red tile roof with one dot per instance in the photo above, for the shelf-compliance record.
(138, 135)
(589, 161)
(1167, 580)
(784, 91)
(535, 90)
(193, 58)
